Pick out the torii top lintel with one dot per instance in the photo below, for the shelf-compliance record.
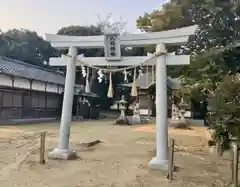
(171, 37)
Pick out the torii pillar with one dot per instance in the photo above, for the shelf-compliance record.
(63, 151)
(161, 159)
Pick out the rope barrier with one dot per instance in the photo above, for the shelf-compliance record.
(107, 70)
(111, 70)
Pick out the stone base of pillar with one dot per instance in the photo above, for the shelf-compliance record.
(158, 164)
(62, 154)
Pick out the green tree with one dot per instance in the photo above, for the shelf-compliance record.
(80, 30)
(172, 15)
(84, 31)
(214, 66)
(213, 48)
(26, 46)
(225, 118)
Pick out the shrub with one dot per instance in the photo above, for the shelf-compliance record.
(225, 114)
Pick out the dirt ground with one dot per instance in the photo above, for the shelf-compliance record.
(119, 161)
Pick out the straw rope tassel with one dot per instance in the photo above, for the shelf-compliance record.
(87, 87)
(134, 86)
(110, 87)
(147, 73)
(153, 74)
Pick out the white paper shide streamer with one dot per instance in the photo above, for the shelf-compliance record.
(125, 76)
(100, 75)
(83, 71)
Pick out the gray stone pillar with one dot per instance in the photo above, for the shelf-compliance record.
(63, 151)
(160, 162)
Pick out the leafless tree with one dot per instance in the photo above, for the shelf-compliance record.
(108, 24)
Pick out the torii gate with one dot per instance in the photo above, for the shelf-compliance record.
(113, 58)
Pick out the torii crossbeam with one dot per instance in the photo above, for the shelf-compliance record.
(113, 58)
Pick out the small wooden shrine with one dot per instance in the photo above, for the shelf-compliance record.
(86, 104)
(145, 84)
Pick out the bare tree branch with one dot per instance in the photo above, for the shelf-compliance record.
(108, 25)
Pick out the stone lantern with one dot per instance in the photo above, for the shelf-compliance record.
(178, 119)
(122, 119)
(182, 109)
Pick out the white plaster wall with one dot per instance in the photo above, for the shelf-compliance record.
(52, 88)
(21, 83)
(61, 89)
(18, 82)
(38, 85)
(5, 80)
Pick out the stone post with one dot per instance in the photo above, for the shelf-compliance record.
(63, 151)
(149, 105)
(160, 162)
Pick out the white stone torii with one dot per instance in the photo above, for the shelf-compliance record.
(171, 37)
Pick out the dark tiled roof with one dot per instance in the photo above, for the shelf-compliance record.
(21, 69)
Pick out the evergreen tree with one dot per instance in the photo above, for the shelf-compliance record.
(214, 66)
(225, 117)
(214, 47)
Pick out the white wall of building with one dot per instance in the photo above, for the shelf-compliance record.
(52, 88)
(23, 83)
(61, 89)
(5, 80)
(38, 85)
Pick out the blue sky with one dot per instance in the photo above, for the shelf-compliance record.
(48, 16)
